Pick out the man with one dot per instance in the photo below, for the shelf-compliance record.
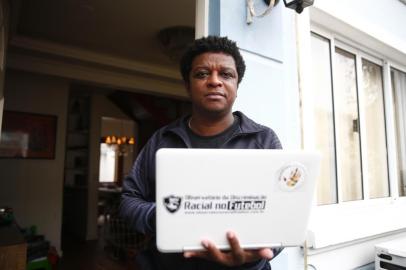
(212, 69)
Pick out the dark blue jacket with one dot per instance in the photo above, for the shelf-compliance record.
(138, 197)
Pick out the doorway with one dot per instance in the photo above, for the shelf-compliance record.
(92, 194)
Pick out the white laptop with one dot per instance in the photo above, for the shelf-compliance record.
(264, 196)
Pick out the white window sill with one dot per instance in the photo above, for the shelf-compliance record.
(335, 225)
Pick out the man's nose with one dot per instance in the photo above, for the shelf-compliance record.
(214, 80)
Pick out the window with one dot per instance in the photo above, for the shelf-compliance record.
(398, 79)
(349, 117)
(353, 96)
(116, 149)
(108, 163)
(323, 114)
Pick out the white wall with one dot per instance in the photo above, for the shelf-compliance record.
(33, 187)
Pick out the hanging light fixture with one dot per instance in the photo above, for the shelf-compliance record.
(174, 40)
(120, 141)
(123, 140)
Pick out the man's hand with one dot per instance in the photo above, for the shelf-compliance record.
(235, 257)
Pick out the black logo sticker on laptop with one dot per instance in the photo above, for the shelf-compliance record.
(216, 204)
(292, 176)
(172, 203)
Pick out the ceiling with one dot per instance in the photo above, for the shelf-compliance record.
(125, 29)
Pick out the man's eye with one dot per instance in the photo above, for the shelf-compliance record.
(227, 75)
(201, 74)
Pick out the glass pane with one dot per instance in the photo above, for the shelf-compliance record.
(323, 113)
(375, 130)
(399, 100)
(347, 125)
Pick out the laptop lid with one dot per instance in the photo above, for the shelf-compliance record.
(264, 196)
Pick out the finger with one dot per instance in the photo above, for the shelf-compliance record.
(237, 252)
(215, 254)
(251, 255)
(266, 253)
(254, 255)
(189, 254)
(195, 254)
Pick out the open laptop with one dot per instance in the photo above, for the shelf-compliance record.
(264, 196)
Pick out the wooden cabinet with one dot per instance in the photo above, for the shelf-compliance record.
(13, 249)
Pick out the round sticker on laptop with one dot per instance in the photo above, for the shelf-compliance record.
(292, 176)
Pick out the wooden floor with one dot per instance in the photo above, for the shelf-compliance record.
(91, 255)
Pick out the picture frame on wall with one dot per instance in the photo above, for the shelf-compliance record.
(28, 135)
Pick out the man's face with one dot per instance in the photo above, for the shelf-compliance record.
(213, 82)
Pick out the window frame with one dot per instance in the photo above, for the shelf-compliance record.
(337, 44)
(400, 68)
(359, 55)
(356, 221)
(337, 190)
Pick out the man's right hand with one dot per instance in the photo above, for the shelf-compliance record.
(235, 257)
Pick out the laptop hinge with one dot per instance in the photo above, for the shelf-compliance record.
(193, 248)
(226, 247)
(273, 245)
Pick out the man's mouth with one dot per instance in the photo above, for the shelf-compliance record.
(215, 95)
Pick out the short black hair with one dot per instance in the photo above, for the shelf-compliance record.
(211, 44)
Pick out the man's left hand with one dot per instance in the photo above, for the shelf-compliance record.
(235, 257)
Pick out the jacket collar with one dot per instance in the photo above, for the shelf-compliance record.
(247, 126)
